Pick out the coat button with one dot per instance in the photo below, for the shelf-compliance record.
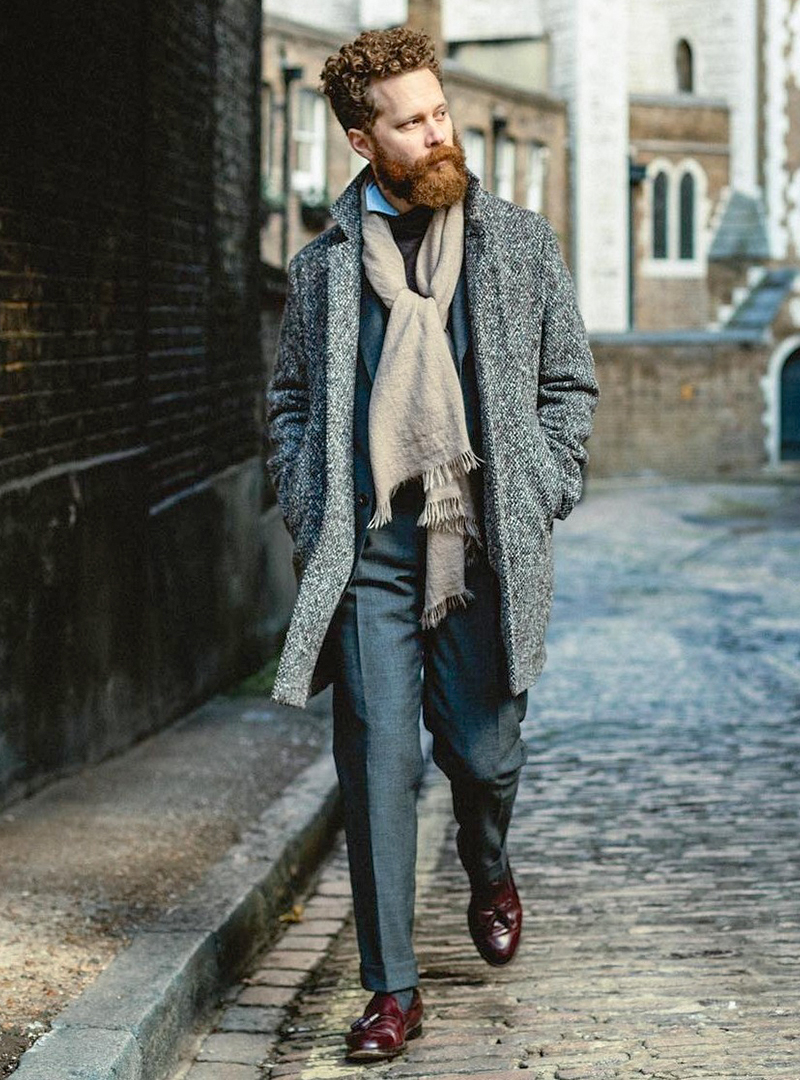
(363, 500)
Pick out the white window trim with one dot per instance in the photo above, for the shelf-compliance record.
(673, 266)
(480, 173)
(506, 141)
(541, 151)
(315, 179)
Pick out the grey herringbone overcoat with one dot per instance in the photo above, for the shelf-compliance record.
(537, 394)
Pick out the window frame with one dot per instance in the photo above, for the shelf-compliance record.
(673, 265)
(312, 180)
(506, 143)
(539, 153)
(471, 135)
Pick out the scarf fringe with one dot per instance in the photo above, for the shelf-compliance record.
(445, 515)
(431, 617)
(382, 515)
(440, 475)
(448, 516)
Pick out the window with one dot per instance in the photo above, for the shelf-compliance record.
(505, 167)
(309, 139)
(676, 202)
(537, 165)
(475, 152)
(687, 217)
(660, 219)
(684, 64)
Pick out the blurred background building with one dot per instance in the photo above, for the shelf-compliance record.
(662, 140)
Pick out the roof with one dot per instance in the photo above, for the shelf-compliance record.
(742, 232)
(763, 302)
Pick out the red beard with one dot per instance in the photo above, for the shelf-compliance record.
(423, 184)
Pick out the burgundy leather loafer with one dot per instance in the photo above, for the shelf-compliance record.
(384, 1028)
(495, 921)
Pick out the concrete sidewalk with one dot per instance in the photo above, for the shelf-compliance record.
(200, 830)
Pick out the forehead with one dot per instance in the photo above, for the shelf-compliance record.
(406, 94)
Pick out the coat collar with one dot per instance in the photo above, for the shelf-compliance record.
(346, 210)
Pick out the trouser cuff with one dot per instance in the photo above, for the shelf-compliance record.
(487, 875)
(388, 978)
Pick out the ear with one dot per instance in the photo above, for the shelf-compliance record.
(361, 143)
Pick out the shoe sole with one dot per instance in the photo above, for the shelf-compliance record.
(384, 1055)
(493, 961)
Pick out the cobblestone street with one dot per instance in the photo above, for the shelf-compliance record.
(655, 842)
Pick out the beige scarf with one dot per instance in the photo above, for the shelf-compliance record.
(417, 426)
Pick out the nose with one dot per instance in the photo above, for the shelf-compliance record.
(434, 136)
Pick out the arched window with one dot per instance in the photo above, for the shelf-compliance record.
(686, 248)
(660, 198)
(684, 65)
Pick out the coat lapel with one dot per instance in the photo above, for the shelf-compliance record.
(483, 297)
(344, 302)
(343, 308)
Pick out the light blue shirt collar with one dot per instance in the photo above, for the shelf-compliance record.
(377, 201)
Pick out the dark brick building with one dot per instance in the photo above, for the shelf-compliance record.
(130, 373)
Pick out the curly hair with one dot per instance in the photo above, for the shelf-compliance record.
(375, 54)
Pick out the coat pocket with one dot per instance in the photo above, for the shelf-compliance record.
(548, 478)
(294, 491)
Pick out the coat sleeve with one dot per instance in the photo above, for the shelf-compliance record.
(288, 407)
(568, 391)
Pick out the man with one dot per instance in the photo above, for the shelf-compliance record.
(432, 397)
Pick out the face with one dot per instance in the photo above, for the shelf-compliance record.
(414, 152)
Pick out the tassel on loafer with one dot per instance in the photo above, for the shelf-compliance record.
(384, 1029)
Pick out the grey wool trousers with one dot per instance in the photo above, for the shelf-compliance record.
(387, 669)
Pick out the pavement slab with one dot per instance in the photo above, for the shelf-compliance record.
(655, 844)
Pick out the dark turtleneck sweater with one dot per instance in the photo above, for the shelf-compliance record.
(408, 231)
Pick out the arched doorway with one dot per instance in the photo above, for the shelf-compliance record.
(790, 408)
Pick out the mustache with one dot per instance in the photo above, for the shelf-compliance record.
(441, 153)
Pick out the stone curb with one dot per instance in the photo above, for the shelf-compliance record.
(130, 1023)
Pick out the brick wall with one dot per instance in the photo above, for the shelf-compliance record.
(688, 405)
(71, 238)
(128, 281)
(130, 371)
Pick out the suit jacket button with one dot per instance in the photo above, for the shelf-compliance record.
(363, 500)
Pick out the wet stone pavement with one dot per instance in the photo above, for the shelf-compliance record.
(655, 844)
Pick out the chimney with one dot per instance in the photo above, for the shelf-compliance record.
(427, 15)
